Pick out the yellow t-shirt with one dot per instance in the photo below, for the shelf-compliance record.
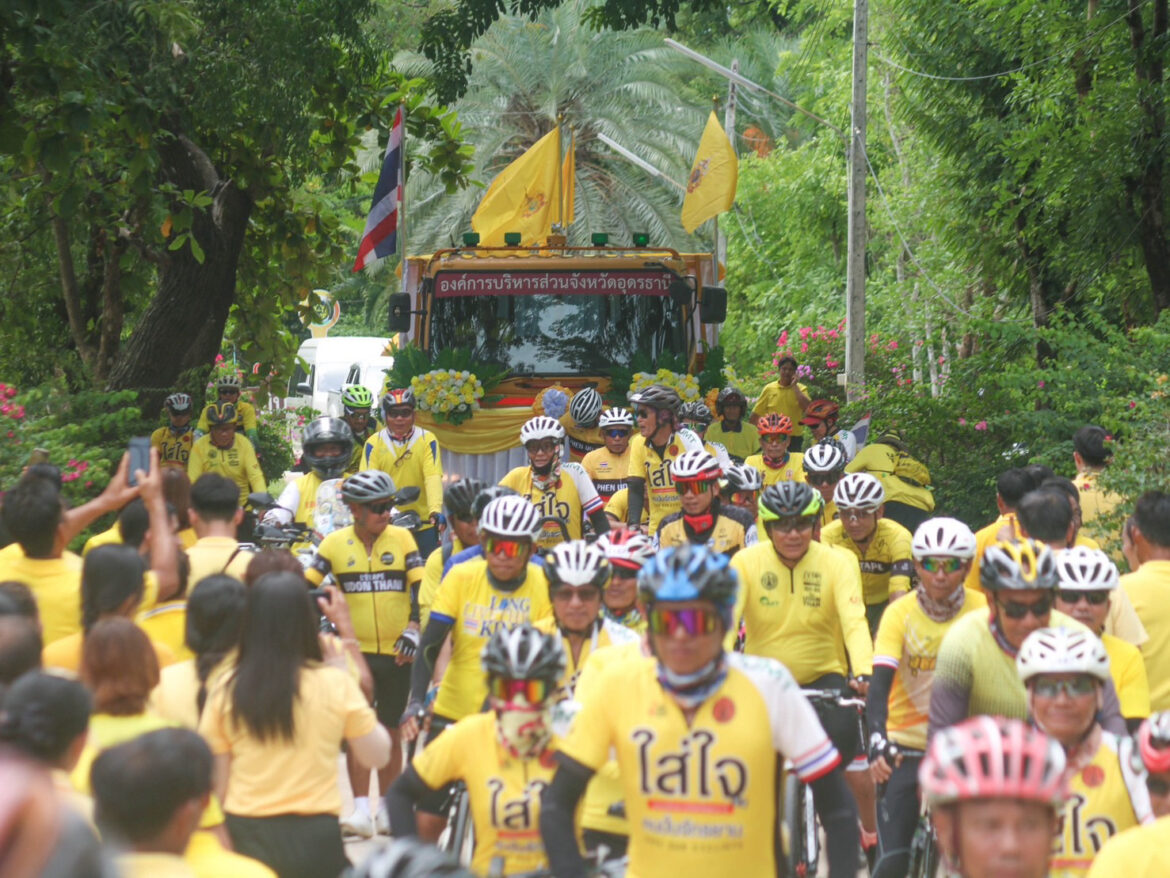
(605, 633)
(1147, 588)
(107, 731)
(504, 792)
(153, 865)
(1099, 806)
(432, 576)
(701, 795)
(607, 470)
(56, 585)
(65, 654)
(1095, 502)
(778, 400)
(791, 470)
(886, 566)
(237, 462)
(740, 444)
(280, 776)
(660, 498)
(619, 507)
(417, 462)
(245, 417)
(380, 586)
(1140, 852)
(173, 450)
(214, 555)
(167, 624)
(1129, 677)
(984, 537)
(807, 617)
(907, 643)
(111, 536)
(569, 499)
(475, 610)
(174, 698)
(208, 859)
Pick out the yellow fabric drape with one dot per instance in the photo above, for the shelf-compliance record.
(485, 432)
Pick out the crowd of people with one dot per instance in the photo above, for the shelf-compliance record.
(620, 653)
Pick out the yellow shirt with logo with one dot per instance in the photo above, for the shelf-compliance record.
(660, 497)
(701, 795)
(581, 440)
(733, 529)
(907, 643)
(807, 617)
(790, 470)
(570, 498)
(237, 462)
(417, 462)
(777, 400)
(1140, 852)
(1147, 588)
(503, 792)
(741, 444)
(607, 470)
(886, 565)
(245, 417)
(605, 633)
(476, 609)
(1129, 677)
(380, 586)
(173, 450)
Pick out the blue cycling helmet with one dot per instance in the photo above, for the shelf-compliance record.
(689, 573)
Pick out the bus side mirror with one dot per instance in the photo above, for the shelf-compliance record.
(400, 313)
(681, 292)
(713, 307)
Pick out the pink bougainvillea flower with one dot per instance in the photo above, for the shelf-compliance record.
(804, 332)
(962, 422)
(892, 346)
(982, 425)
(1040, 384)
(1132, 404)
(783, 339)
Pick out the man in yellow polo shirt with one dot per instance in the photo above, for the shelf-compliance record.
(1149, 587)
(784, 396)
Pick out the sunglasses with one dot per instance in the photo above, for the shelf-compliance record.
(617, 434)
(818, 479)
(534, 691)
(547, 445)
(693, 621)
(744, 498)
(684, 488)
(643, 413)
(1016, 610)
(228, 391)
(791, 523)
(1073, 688)
(696, 426)
(856, 514)
(404, 412)
(507, 548)
(585, 593)
(941, 565)
(1096, 598)
(379, 508)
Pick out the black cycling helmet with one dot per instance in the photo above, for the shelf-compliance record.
(729, 396)
(695, 411)
(524, 653)
(785, 499)
(368, 486)
(459, 498)
(689, 573)
(325, 431)
(658, 396)
(220, 413)
(410, 858)
(486, 496)
(178, 403)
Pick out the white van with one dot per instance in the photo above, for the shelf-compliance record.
(327, 363)
(371, 373)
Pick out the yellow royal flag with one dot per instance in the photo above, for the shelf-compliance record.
(711, 186)
(524, 197)
(569, 181)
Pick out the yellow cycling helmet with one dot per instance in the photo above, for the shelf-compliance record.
(219, 413)
(1014, 566)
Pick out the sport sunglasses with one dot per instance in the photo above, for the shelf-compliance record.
(1018, 610)
(507, 548)
(534, 691)
(941, 565)
(693, 621)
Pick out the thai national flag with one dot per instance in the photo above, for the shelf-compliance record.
(380, 238)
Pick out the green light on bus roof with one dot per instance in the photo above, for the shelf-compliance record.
(641, 239)
(470, 239)
(600, 239)
(512, 239)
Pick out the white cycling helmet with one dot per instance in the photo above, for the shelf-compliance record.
(1083, 569)
(541, 427)
(826, 456)
(695, 466)
(511, 516)
(626, 547)
(576, 563)
(859, 491)
(617, 417)
(1062, 651)
(743, 478)
(585, 407)
(367, 486)
(943, 538)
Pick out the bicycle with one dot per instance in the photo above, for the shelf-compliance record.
(924, 855)
(458, 837)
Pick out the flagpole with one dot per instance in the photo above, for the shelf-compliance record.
(402, 206)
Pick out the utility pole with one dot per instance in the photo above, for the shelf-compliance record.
(729, 127)
(855, 267)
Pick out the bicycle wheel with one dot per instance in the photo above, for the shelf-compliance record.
(455, 838)
(800, 859)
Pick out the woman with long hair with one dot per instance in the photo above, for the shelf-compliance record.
(276, 723)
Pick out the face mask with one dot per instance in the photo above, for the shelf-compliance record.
(522, 730)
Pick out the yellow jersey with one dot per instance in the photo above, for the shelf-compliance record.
(619, 507)
(741, 443)
(503, 791)
(570, 498)
(778, 400)
(1129, 677)
(790, 469)
(173, 450)
(605, 633)
(1105, 797)
(734, 528)
(475, 609)
(881, 460)
(1140, 852)
(907, 643)
(1147, 588)
(607, 470)
(432, 577)
(807, 617)
(245, 417)
(886, 566)
(582, 440)
(701, 795)
(237, 462)
(660, 499)
(380, 586)
(416, 462)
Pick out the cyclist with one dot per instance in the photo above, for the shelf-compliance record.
(995, 788)
(475, 550)
(174, 440)
(411, 456)
(906, 480)
(227, 391)
(775, 462)
(698, 735)
(784, 396)
(880, 544)
(824, 466)
(1088, 582)
(627, 551)
(731, 431)
(1064, 670)
(618, 509)
(578, 574)
(703, 519)
(696, 417)
(561, 492)
(459, 498)
(503, 755)
(225, 452)
(898, 702)
(821, 419)
(976, 671)
(378, 568)
(741, 486)
(357, 409)
(328, 444)
(584, 431)
(659, 442)
(607, 466)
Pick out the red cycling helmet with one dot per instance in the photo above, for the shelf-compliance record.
(1153, 739)
(774, 425)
